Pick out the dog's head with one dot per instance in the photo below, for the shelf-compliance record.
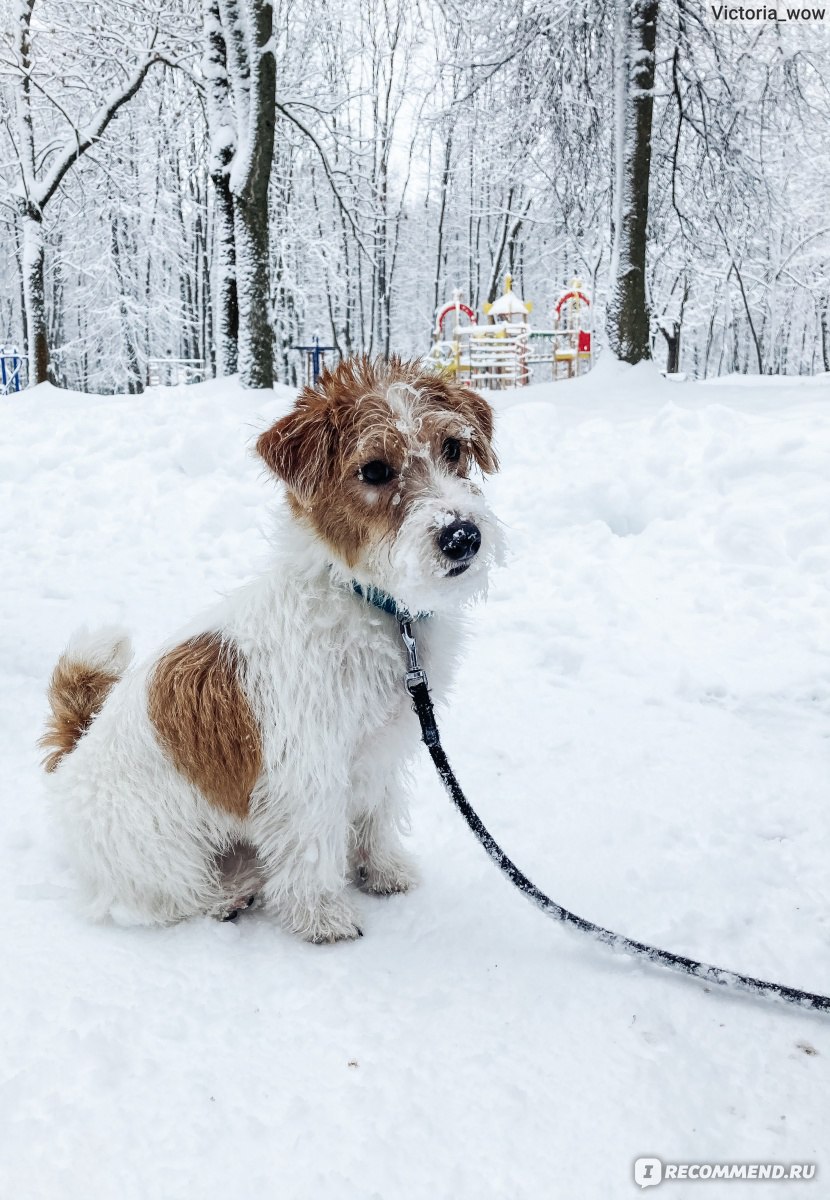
(377, 460)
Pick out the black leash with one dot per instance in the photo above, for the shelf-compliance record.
(417, 685)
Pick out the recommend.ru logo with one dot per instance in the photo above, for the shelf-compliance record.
(648, 1172)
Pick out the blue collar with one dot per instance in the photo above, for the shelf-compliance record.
(386, 603)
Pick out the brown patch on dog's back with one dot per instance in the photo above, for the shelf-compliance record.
(204, 721)
(77, 691)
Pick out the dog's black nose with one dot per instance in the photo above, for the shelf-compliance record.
(460, 540)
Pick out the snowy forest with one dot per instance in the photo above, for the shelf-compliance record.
(221, 181)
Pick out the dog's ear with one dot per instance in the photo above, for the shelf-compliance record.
(479, 415)
(299, 448)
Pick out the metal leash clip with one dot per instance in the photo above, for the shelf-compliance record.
(416, 675)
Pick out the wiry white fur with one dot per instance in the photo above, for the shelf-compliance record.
(412, 567)
(107, 649)
(324, 679)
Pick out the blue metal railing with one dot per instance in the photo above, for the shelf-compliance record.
(13, 366)
(315, 358)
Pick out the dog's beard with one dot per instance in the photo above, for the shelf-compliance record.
(410, 566)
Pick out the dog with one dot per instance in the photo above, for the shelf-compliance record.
(265, 749)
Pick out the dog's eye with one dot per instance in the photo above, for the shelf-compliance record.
(452, 449)
(376, 472)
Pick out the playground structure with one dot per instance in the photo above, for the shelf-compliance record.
(13, 370)
(573, 350)
(507, 351)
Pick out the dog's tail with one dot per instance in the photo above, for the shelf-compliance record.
(89, 666)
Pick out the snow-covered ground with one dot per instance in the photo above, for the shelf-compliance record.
(642, 720)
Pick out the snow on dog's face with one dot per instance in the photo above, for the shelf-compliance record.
(377, 460)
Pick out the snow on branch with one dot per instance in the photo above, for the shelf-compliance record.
(89, 134)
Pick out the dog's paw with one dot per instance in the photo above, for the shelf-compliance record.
(231, 909)
(387, 877)
(331, 921)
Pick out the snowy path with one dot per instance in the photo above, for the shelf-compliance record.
(643, 721)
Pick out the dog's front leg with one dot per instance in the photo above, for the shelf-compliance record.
(381, 864)
(379, 861)
(303, 849)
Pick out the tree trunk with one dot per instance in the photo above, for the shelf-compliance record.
(135, 383)
(253, 71)
(223, 140)
(442, 212)
(227, 305)
(672, 336)
(495, 273)
(627, 316)
(35, 296)
(24, 325)
(256, 337)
